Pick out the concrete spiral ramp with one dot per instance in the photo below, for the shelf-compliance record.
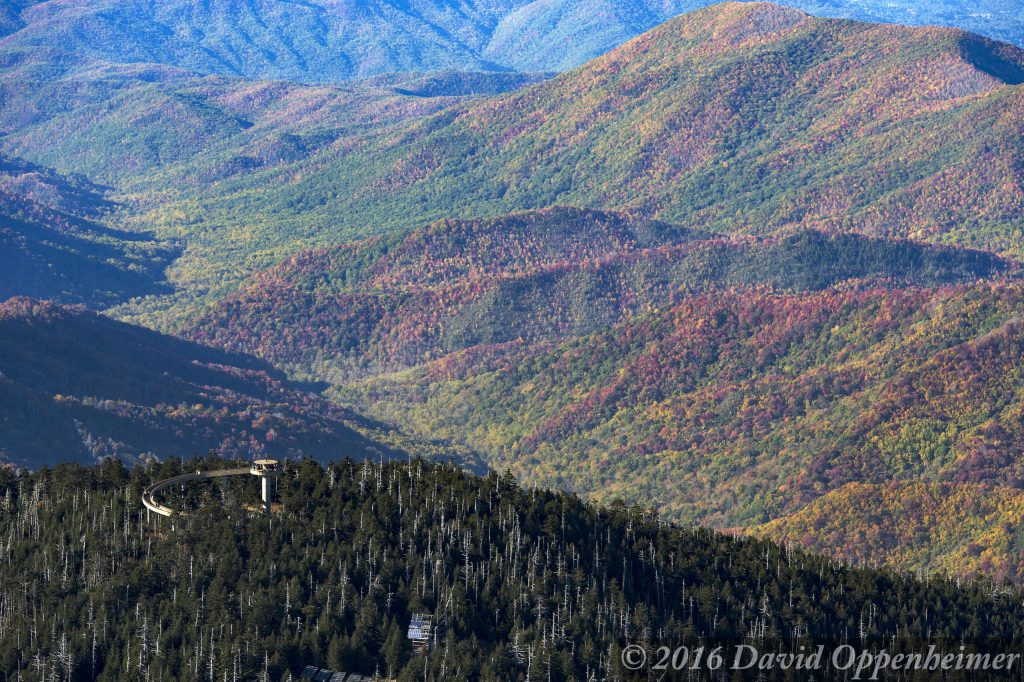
(264, 468)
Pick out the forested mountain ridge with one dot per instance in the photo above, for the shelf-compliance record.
(740, 118)
(522, 33)
(398, 300)
(168, 130)
(76, 386)
(329, 40)
(522, 584)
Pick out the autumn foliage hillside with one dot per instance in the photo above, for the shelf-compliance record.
(954, 528)
(738, 408)
(552, 274)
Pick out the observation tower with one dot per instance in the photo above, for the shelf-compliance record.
(266, 469)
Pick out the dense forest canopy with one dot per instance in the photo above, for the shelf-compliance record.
(522, 584)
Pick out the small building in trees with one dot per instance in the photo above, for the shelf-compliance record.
(420, 631)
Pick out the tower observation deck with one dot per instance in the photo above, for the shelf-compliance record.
(266, 469)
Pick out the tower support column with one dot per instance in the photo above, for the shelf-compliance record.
(267, 470)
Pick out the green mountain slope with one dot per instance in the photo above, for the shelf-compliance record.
(741, 118)
(125, 124)
(557, 273)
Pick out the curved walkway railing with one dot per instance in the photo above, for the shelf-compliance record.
(149, 494)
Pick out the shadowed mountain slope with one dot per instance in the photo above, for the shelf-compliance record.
(75, 386)
(53, 243)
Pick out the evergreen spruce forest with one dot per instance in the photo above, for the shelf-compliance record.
(522, 584)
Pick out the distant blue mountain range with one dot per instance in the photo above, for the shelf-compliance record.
(330, 40)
